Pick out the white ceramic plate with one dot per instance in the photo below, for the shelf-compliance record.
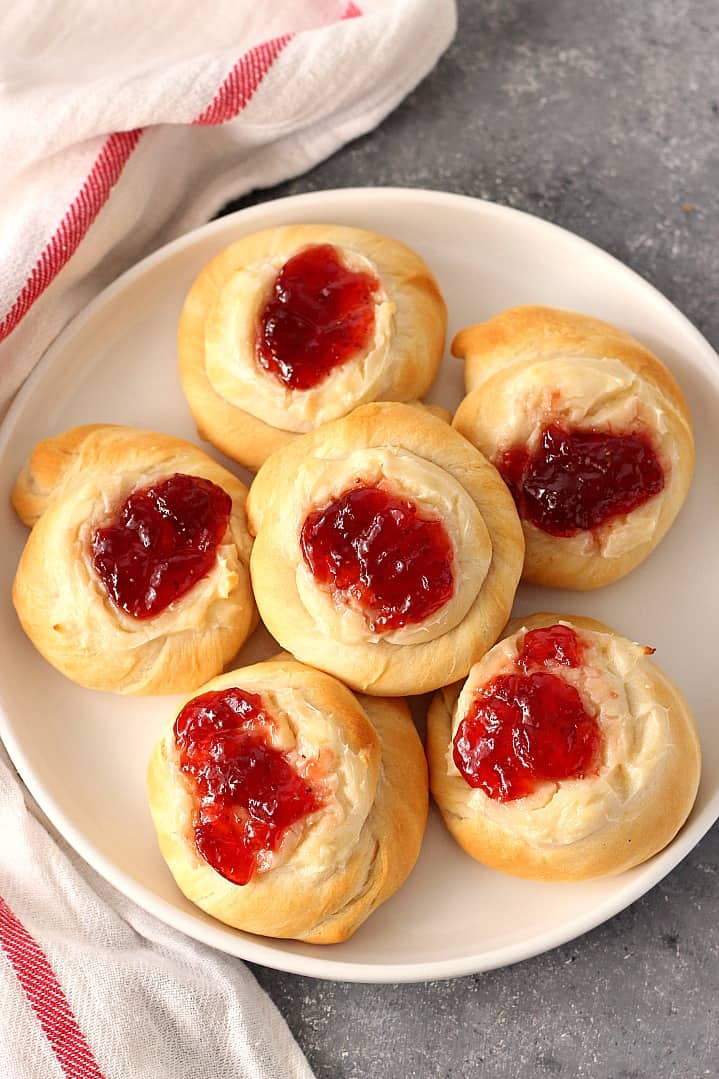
(83, 754)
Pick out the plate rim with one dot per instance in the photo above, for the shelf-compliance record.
(248, 947)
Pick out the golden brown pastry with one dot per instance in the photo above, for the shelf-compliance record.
(135, 577)
(286, 806)
(590, 431)
(294, 326)
(566, 753)
(388, 550)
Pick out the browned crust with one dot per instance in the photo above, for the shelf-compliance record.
(237, 433)
(66, 614)
(378, 667)
(652, 818)
(399, 818)
(493, 350)
(531, 331)
(331, 907)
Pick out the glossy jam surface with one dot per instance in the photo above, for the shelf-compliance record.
(550, 644)
(163, 540)
(578, 480)
(320, 315)
(381, 552)
(529, 725)
(249, 794)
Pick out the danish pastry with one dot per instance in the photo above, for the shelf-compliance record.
(590, 431)
(135, 577)
(387, 550)
(286, 806)
(294, 326)
(566, 754)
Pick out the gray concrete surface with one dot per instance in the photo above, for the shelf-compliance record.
(603, 116)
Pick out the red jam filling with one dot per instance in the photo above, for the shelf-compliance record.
(550, 644)
(249, 793)
(527, 727)
(382, 553)
(320, 315)
(577, 480)
(163, 541)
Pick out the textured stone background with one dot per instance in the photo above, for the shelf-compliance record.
(603, 116)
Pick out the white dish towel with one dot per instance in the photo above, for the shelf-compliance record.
(123, 125)
(92, 987)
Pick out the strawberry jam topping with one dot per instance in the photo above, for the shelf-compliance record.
(381, 553)
(577, 480)
(163, 540)
(558, 644)
(529, 725)
(248, 792)
(319, 315)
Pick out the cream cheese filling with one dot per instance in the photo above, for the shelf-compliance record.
(94, 507)
(582, 393)
(615, 686)
(311, 739)
(236, 375)
(436, 494)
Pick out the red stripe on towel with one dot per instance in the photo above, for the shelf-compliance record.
(239, 86)
(83, 210)
(229, 100)
(236, 91)
(46, 998)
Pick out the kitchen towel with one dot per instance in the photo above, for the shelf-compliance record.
(92, 987)
(124, 125)
(121, 127)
